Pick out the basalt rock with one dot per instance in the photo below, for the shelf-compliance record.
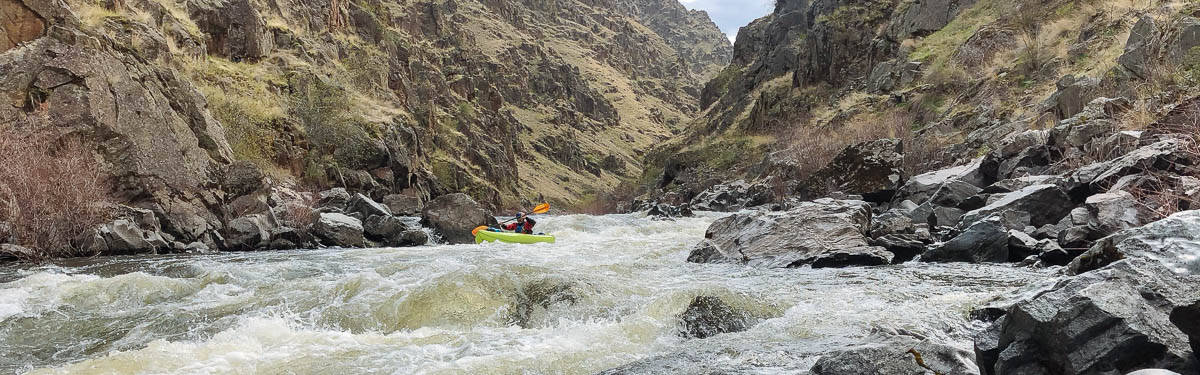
(1173, 241)
(872, 169)
(984, 241)
(708, 316)
(896, 354)
(821, 233)
(1187, 319)
(731, 197)
(1046, 204)
(18, 24)
(235, 28)
(454, 216)
(401, 204)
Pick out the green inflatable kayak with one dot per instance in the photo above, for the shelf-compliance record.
(484, 235)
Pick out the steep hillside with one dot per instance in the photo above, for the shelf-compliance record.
(952, 79)
(186, 101)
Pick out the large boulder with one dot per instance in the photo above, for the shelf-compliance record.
(367, 207)
(920, 188)
(235, 28)
(821, 233)
(984, 241)
(402, 204)
(1112, 320)
(707, 316)
(1141, 47)
(1046, 204)
(872, 169)
(10, 252)
(733, 196)
(339, 230)
(1073, 93)
(1112, 212)
(1164, 155)
(250, 232)
(454, 216)
(1187, 319)
(921, 18)
(1173, 241)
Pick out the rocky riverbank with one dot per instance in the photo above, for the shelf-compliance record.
(1123, 233)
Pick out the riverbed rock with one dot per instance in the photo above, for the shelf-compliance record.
(334, 198)
(904, 247)
(1112, 320)
(669, 211)
(1046, 204)
(1173, 241)
(872, 169)
(984, 241)
(454, 216)
(339, 230)
(10, 252)
(1163, 155)
(921, 187)
(822, 233)
(126, 237)
(1187, 319)
(896, 354)
(708, 316)
(1112, 212)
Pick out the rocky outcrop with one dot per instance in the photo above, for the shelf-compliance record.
(1173, 241)
(1046, 204)
(733, 196)
(708, 316)
(18, 24)
(454, 216)
(984, 241)
(235, 28)
(919, 19)
(821, 233)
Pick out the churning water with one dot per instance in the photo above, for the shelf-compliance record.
(608, 293)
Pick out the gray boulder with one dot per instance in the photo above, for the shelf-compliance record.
(367, 207)
(920, 188)
(125, 237)
(334, 198)
(1141, 47)
(383, 228)
(454, 216)
(890, 75)
(709, 316)
(904, 247)
(1173, 241)
(821, 233)
(1073, 93)
(10, 252)
(250, 232)
(243, 177)
(339, 230)
(1113, 320)
(1112, 212)
(984, 241)
(733, 196)
(1187, 319)
(1163, 155)
(891, 222)
(1046, 204)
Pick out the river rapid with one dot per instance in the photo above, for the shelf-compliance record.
(608, 293)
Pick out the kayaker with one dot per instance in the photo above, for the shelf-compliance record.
(524, 224)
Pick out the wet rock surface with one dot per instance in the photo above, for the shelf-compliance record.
(454, 216)
(707, 316)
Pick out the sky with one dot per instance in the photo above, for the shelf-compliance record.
(732, 14)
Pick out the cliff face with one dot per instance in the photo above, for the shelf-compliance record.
(950, 78)
(505, 100)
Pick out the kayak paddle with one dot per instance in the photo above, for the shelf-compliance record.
(540, 209)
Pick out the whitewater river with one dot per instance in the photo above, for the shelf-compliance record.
(608, 293)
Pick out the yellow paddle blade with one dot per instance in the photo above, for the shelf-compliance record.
(542, 208)
(477, 229)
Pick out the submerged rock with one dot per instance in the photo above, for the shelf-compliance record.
(897, 354)
(454, 216)
(708, 316)
(823, 233)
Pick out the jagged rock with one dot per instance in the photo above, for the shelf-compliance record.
(367, 207)
(953, 193)
(891, 75)
(285, 238)
(891, 222)
(1112, 320)
(1013, 184)
(872, 169)
(235, 28)
(667, 211)
(731, 197)
(1163, 155)
(1046, 204)
(1111, 212)
(454, 216)
(251, 232)
(242, 177)
(920, 188)
(413, 238)
(823, 233)
(389, 230)
(339, 230)
(984, 241)
(945, 216)
(1021, 245)
(919, 19)
(1073, 93)
(1052, 254)
(904, 247)
(540, 295)
(247, 205)
(1140, 48)
(124, 237)
(401, 204)
(1173, 241)
(708, 316)
(896, 354)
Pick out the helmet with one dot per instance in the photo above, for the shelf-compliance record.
(520, 214)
